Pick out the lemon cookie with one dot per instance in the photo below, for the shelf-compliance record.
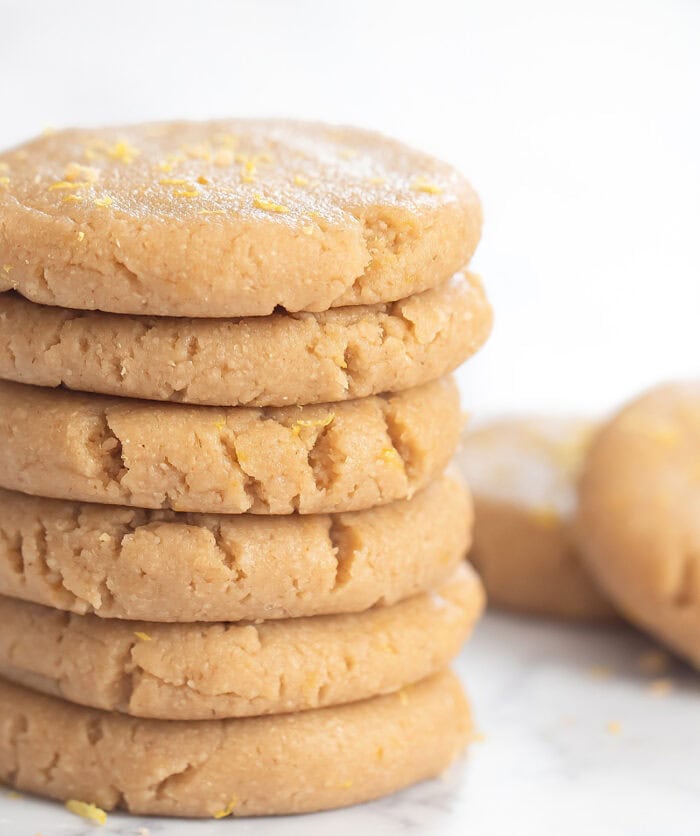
(166, 566)
(288, 763)
(639, 514)
(523, 473)
(256, 361)
(339, 457)
(202, 671)
(228, 218)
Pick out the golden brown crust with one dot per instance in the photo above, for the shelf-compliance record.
(206, 671)
(256, 361)
(312, 459)
(523, 473)
(638, 523)
(166, 566)
(290, 763)
(228, 218)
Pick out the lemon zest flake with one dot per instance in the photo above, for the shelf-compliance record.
(186, 193)
(227, 810)
(173, 181)
(86, 811)
(211, 212)
(71, 198)
(122, 152)
(76, 171)
(302, 423)
(261, 202)
(106, 200)
(7, 268)
(144, 637)
(300, 180)
(391, 456)
(422, 184)
(81, 235)
(65, 184)
(4, 181)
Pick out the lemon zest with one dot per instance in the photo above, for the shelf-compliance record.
(268, 205)
(86, 811)
(299, 180)
(227, 810)
(71, 198)
(103, 201)
(65, 184)
(76, 171)
(186, 193)
(421, 184)
(8, 268)
(391, 456)
(144, 637)
(122, 152)
(302, 423)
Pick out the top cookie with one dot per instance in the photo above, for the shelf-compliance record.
(228, 218)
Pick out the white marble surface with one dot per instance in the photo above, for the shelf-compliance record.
(544, 695)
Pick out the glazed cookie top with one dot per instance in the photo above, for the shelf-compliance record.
(228, 218)
(530, 462)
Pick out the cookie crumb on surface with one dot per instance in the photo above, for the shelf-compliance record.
(661, 687)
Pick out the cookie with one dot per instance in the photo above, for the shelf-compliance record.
(127, 563)
(203, 671)
(288, 763)
(228, 218)
(639, 514)
(312, 459)
(522, 472)
(257, 361)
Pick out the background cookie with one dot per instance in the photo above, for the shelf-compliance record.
(522, 472)
(201, 672)
(240, 216)
(257, 361)
(325, 458)
(639, 514)
(165, 566)
(290, 763)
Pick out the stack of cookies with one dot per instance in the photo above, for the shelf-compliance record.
(231, 554)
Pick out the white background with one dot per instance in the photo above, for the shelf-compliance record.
(579, 124)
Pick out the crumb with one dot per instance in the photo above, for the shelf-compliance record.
(661, 687)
